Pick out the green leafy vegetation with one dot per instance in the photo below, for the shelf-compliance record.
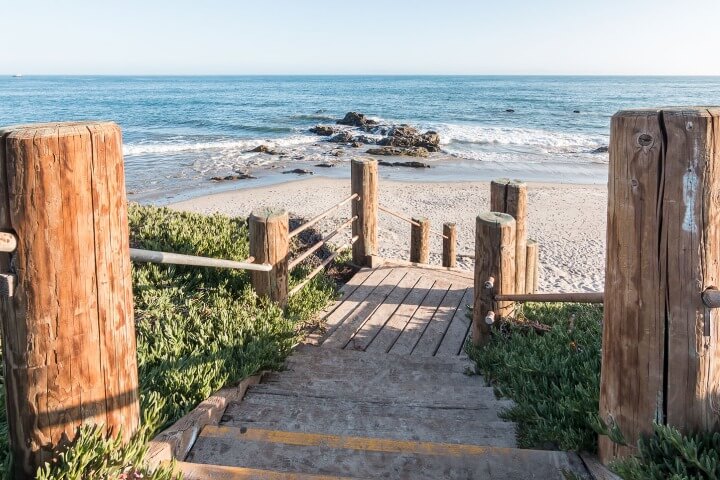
(548, 362)
(552, 376)
(198, 329)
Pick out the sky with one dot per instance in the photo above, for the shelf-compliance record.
(209, 37)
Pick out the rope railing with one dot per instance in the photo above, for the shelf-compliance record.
(319, 217)
(406, 219)
(152, 256)
(324, 264)
(296, 261)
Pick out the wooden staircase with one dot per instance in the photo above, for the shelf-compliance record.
(345, 410)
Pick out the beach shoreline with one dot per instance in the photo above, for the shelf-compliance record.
(567, 219)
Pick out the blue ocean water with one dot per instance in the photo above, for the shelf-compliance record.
(181, 131)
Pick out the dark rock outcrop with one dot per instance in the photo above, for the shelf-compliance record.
(323, 130)
(404, 164)
(299, 171)
(400, 151)
(510, 110)
(355, 119)
(325, 165)
(342, 137)
(239, 176)
(364, 139)
(263, 149)
(405, 136)
(601, 150)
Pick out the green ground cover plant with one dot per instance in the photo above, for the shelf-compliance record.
(198, 329)
(548, 362)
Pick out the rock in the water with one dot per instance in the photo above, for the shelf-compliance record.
(325, 165)
(405, 136)
(356, 144)
(263, 149)
(300, 171)
(355, 119)
(404, 164)
(240, 176)
(601, 150)
(400, 151)
(510, 110)
(576, 111)
(364, 139)
(336, 153)
(322, 130)
(342, 137)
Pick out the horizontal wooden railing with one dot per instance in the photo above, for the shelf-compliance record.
(152, 256)
(324, 214)
(317, 246)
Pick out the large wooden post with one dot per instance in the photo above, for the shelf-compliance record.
(68, 328)
(449, 258)
(494, 271)
(660, 355)
(269, 244)
(364, 182)
(510, 196)
(420, 240)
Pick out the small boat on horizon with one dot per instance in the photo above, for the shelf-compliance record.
(17, 75)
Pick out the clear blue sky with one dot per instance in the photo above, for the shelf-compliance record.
(676, 37)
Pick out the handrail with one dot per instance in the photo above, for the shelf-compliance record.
(151, 256)
(407, 219)
(294, 263)
(570, 297)
(324, 214)
(324, 264)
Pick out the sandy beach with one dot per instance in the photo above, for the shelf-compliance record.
(568, 220)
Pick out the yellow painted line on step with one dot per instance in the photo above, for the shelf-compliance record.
(198, 471)
(349, 442)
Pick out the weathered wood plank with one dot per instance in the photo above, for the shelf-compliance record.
(510, 196)
(364, 183)
(269, 243)
(335, 318)
(420, 240)
(420, 319)
(354, 321)
(454, 339)
(395, 325)
(449, 257)
(377, 320)
(440, 322)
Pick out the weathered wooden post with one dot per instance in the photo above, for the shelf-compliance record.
(420, 240)
(269, 244)
(510, 196)
(364, 182)
(532, 267)
(660, 355)
(67, 308)
(449, 258)
(494, 271)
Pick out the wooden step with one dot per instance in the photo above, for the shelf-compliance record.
(199, 471)
(399, 422)
(320, 355)
(363, 457)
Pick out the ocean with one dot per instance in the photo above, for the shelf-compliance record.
(179, 132)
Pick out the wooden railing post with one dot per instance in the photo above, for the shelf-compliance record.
(67, 307)
(661, 344)
(510, 196)
(420, 240)
(494, 271)
(269, 244)
(364, 182)
(449, 258)
(532, 267)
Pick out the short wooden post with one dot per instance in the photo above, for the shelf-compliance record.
(449, 258)
(269, 244)
(420, 240)
(510, 196)
(67, 307)
(661, 352)
(532, 267)
(494, 271)
(364, 182)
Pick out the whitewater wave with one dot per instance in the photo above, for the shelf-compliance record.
(541, 141)
(243, 145)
